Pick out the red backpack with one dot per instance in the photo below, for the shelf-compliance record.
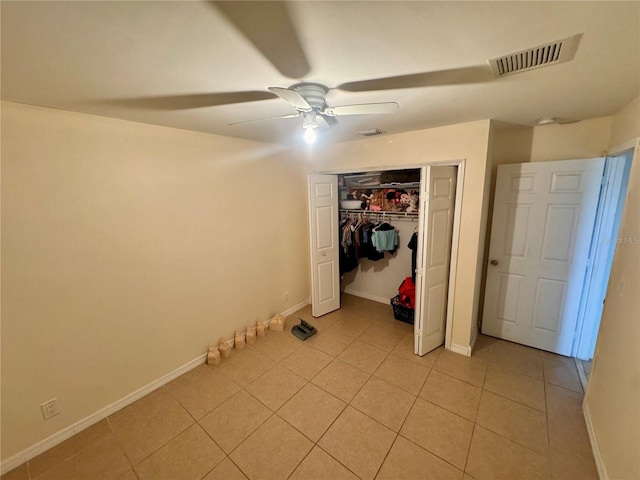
(407, 293)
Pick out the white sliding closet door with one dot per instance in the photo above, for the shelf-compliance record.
(437, 198)
(323, 234)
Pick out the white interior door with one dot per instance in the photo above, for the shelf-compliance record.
(323, 234)
(543, 220)
(438, 194)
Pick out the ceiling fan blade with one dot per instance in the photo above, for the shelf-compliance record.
(548, 120)
(362, 109)
(291, 97)
(565, 121)
(289, 115)
(328, 120)
(324, 123)
(196, 100)
(268, 26)
(454, 76)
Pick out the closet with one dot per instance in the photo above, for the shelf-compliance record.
(369, 201)
(422, 200)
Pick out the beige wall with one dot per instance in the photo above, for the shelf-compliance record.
(613, 394)
(626, 124)
(469, 141)
(127, 249)
(585, 139)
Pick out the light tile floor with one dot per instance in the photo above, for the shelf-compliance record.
(351, 402)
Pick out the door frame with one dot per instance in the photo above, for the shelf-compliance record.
(455, 234)
(613, 197)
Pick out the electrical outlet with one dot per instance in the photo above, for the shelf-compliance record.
(286, 296)
(49, 408)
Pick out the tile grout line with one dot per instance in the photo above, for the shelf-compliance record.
(309, 381)
(348, 404)
(475, 418)
(387, 355)
(546, 416)
(399, 433)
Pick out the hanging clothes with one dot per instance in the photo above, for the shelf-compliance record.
(348, 258)
(385, 238)
(413, 245)
(367, 249)
(361, 238)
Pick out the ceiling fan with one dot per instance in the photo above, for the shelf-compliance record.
(309, 100)
(268, 26)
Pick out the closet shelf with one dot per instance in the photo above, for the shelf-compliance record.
(384, 213)
(411, 185)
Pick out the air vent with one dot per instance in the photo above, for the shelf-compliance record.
(370, 133)
(541, 56)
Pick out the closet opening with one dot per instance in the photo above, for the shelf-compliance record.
(371, 203)
(377, 230)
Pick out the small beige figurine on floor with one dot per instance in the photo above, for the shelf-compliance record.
(224, 348)
(251, 335)
(277, 323)
(239, 341)
(213, 356)
(260, 329)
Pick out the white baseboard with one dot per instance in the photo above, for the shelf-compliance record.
(67, 432)
(295, 308)
(466, 351)
(597, 456)
(473, 341)
(368, 296)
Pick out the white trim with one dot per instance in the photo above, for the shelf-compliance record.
(597, 456)
(606, 225)
(67, 432)
(466, 351)
(294, 309)
(623, 147)
(368, 296)
(453, 257)
(342, 171)
(473, 340)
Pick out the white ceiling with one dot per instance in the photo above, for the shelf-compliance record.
(116, 58)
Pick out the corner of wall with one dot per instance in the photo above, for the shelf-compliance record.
(626, 124)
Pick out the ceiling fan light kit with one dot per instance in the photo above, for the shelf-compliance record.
(308, 99)
(310, 125)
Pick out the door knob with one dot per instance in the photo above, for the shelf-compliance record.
(494, 262)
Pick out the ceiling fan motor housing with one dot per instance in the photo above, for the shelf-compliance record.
(313, 93)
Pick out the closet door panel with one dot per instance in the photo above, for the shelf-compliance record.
(323, 235)
(438, 194)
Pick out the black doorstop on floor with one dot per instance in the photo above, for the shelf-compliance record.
(304, 330)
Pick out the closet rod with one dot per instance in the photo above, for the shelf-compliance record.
(381, 213)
